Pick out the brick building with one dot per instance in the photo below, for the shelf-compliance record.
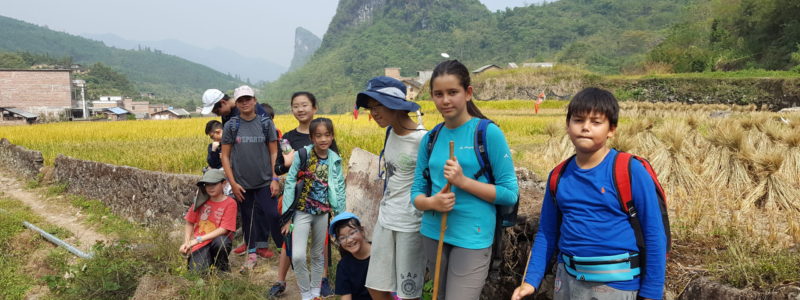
(45, 92)
(136, 107)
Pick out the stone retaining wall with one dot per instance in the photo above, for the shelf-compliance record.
(19, 160)
(145, 197)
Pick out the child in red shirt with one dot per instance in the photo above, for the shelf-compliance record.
(210, 223)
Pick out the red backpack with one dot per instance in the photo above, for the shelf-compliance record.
(622, 182)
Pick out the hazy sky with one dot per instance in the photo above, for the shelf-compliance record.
(254, 28)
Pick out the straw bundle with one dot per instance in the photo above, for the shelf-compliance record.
(773, 190)
(671, 161)
(723, 163)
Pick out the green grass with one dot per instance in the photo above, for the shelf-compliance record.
(101, 217)
(746, 264)
(754, 73)
(14, 283)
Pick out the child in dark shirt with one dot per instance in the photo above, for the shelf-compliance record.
(351, 272)
(214, 131)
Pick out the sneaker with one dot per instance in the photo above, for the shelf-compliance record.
(241, 250)
(325, 289)
(277, 289)
(265, 252)
(249, 263)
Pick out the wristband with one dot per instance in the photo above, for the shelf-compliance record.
(276, 179)
(199, 240)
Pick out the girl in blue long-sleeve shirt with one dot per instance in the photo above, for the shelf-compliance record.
(471, 202)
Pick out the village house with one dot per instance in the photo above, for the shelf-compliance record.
(413, 88)
(156, 108)
(116, 113)
(539, 65)
(413, 85)
(486, 68)
(13, 116)
(46, 93)
(139, 108)
(170, 114)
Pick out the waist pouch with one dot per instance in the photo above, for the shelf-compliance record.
(622, 267)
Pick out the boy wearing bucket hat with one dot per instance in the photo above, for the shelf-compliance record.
(396, 265)
(210, 223)
(351, 271)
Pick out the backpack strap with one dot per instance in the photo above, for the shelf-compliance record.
(481, 153)
(662, 200)
(303, 154)
(287, 216)
(555, 177)
(236, 123)
(622, 181)
(432, 136)
(381, 169)
(264, 126)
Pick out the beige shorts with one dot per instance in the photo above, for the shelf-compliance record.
(396, 263)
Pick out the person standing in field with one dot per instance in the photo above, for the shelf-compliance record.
(396, 264)
(538, 102)
(584, 224)
(249, 150)
(304, 107)
(210, 222)
(471, 202)
(322, 192)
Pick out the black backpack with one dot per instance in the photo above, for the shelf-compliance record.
(506, 215)
(298, 188)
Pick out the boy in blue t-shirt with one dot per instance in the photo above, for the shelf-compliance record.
(584, 223)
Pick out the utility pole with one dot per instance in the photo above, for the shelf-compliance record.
(81, 84)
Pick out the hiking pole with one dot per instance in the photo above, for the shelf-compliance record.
(525, 272)
(441, 237)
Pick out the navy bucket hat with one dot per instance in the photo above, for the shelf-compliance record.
(389, 92)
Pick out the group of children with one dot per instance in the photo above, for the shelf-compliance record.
(429, 177)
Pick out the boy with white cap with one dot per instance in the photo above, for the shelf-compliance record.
(219, 103)
(249, 150)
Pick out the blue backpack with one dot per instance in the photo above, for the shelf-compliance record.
(506, 215)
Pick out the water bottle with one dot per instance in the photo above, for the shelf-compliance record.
(286, 147)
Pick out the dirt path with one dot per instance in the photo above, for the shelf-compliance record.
(60, 214)
(55, 210)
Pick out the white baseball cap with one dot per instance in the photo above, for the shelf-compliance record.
(243, 91)
(211, 97)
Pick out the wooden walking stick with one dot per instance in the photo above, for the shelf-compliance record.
(442, 229)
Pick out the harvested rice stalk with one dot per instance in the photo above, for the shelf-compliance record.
(554, 129)
(670, 159)
(773, 191)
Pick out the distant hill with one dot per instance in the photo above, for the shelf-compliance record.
(220, 59)
(305, 44)
(173, 80)
(365, 36)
